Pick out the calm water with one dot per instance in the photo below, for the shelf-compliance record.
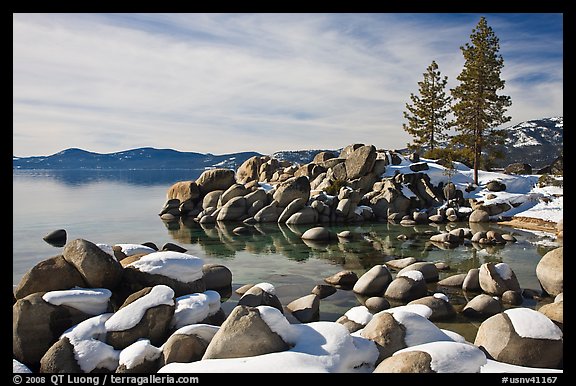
(122, 207)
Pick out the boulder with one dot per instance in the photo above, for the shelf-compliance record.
(374, 281)
(250, 169)
(306, 215)
(360, 161)
(292, 208)
(187, 344)
(262, 294)
(97, 268)
(482, 306)
(244, 334)
(554, 312)
(233, 210)
(318, 234)
(344, 279)
(453, 281)
(400, 263)
(211, 199)
(145, 314)
(428, 270)
(216, 276)
(323, 290)
(495, 279)
(518, 168)
(236, 190)
(495, 186)
(406, 287)
(269, 213)
(215, 179)
(479, 215)
(549, 271)
(523, 337)
(472, 280)
(440, 306)
(306, 309)
(51, 274)
(56, 238)
(186, 192)
(388, 334)
(375, 304)
(291, 189)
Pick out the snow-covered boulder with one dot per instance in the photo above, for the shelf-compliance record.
(261, 294)
(98, 268)
(92, 301)
(522, 336)
(356, 318)
(140, 357)
(187, 344)
(407, 286)
(495, 279)
(428, 270)
(374, 281)
(195, 308)
(550, 271)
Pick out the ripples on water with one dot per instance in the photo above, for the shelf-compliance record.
(124, 209)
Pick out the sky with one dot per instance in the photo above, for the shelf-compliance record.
(223, 83)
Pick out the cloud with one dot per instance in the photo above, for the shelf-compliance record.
(236, 82)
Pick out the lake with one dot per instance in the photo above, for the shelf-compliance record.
(114, 207)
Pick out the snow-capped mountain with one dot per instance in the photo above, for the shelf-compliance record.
(537, 142)
(141, 158)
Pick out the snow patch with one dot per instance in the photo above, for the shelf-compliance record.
(135, 249)
(412, 274)
(92, 301)
(190, 309)
(503, 270)
(359, 314)
(138, 352)
(440, 295)
(267, 287)
(176, 265)
(533, 324)
(451, 357)
(419, 330)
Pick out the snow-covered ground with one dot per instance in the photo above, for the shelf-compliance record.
(522, 191)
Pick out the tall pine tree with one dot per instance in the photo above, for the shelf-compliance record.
(478, 108)
(427, 115)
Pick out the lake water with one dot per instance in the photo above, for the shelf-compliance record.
(122, 207)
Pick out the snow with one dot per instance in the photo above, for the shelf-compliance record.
(529, 323)
(440, 295)
(544, 203)
(129, 316)
(503, 270)
(267, 287)
(317, 347)
(420, 309)
(419, 330)
(138, 352)
(18, 367)
(176, 265)
(89, 349)
(135, 249)
(493, 366)
(451, 357)
(412, 274)
(193, 308)
(359, 314)
(93, 301)
(106, 248)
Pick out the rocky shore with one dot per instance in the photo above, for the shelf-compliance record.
(140, 308)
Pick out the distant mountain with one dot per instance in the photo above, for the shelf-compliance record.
(536, 142)
(136, 159)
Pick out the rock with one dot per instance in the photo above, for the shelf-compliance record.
(518, 168)
(374, 281)
(435, 357)
(269, 213)
(242, 290)
(406, 362)
(495, 186)
(495, 279)
(306, 215)
(292, 189)
(173, 247)
(323, 290)
(472, 281)
(387, 333)
(236, 190)
(400, 263)
(440, 306)
(428, 270)
(523, 337)
(51, 274)
(186, 192)
(56, 238)
(453, 281)
(554, 312)
(323, 156)
(97, 268)
(211, 199)
(559, 297)
(59, 358)
(407, 287)
(141, 357)
(344, 279)
(37, 324)
(244, 334)
(292, 208)
(186, 347)
(180, 271)
(317, 234)
(509, 238)
(448, 238)
(216, 276)
(233, 210)
(375, 304)
(145, 314)
(549, 271)
(360, 161)
(442, 266)
(482, 306)
(250, 169)
(262, 294)
(479, 215)
(215, 179)
(419, 166)
(512, 297)
(306, 309)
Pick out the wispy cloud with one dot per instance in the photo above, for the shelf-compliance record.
(264, 82)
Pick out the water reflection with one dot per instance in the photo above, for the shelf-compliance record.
(80, 177)
(374, 243)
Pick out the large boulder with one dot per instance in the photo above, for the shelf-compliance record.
(187, 344)
(37, 324)
(244, 334)
(51, 274)
(428, 270)
(407, 286)
(550, 270)
(518, 168)
(233, 210)
(523, 337)
(306, 309)
(482, 306)
(374, 281)
(97, 268)
(184, 191)
(292, 189)
(215, 179)
(440, 305)
(262, 294)
(144, 314)
(360, 161)
(495, 279)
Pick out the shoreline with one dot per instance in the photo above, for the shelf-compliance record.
(531, 223)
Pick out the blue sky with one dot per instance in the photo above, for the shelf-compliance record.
(224, 83)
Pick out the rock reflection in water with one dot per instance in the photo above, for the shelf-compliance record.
(276, 253)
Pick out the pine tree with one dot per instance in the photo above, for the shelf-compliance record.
(478, 108)
(427, 115)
